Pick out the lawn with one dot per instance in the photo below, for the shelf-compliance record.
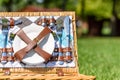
(100, 57)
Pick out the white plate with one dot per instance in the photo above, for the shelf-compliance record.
(47, 44)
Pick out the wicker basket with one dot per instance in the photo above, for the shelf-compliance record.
(45, 73)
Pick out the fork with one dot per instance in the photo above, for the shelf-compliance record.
(60, 54)
(4, 54)
(10, 40)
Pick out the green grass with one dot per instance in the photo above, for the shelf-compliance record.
(100, 57)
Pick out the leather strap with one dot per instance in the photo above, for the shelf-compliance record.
(12, 22)
(7, 50)
(42, 53)
(32, 44)
(45, 31)
(21, 53)
(23, 36)
(68, 58)
(4, 50)
(4, 58)
(54, 58)
(64, 50)
(52, 20)
(44, 20)
(60, 58)
(10, 49)
(10, 58)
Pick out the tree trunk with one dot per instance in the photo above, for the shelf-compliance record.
(94, 26)
(114, 20)
(63, 7)
(82, 9)
(8, 5)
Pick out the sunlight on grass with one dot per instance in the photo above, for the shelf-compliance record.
(100, 57)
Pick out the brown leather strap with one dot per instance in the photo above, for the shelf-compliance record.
(32, 44)
(68, 58)
(42, 53)
(23, 36)
(45, 31)
(54, 58)
(60, 58)
(58, 50)
(7, 50)
(64, 50)
(52, 20)
(67, 49)
(4, 50)
(44, 20)
(21, 53)
(10, 58)
(10, 50)
(12, 22)
(4, 58)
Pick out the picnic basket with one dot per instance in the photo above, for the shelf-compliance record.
(50, 73)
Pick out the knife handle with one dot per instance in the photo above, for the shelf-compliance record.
(68, 57)
(11, 57)
(4, 58)
(60, 58)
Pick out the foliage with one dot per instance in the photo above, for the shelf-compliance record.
(106, 30)
(117, 8)
(99, 8)
(15, 5)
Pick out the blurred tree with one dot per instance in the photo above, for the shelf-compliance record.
(55, 4)
(98, 11)
(15, 5)
(95, 11)
(99, 8)
(83, 9)
(115, 19)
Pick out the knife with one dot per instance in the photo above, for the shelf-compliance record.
(59, 33)
(60, 54)
(67, 38)
(4, 42)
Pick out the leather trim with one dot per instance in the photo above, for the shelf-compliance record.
(7, 50)
(64, 50)
(32, 44)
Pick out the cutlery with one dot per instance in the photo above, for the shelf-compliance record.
(67, 39)
(60, 54)
(43, 21)
(10, 41)
(4, 42)
(52, 26)
(52, 22)
(5, 29)
(59, 33)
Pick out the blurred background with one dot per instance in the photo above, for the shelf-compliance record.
(93, 17)
(98, 31)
